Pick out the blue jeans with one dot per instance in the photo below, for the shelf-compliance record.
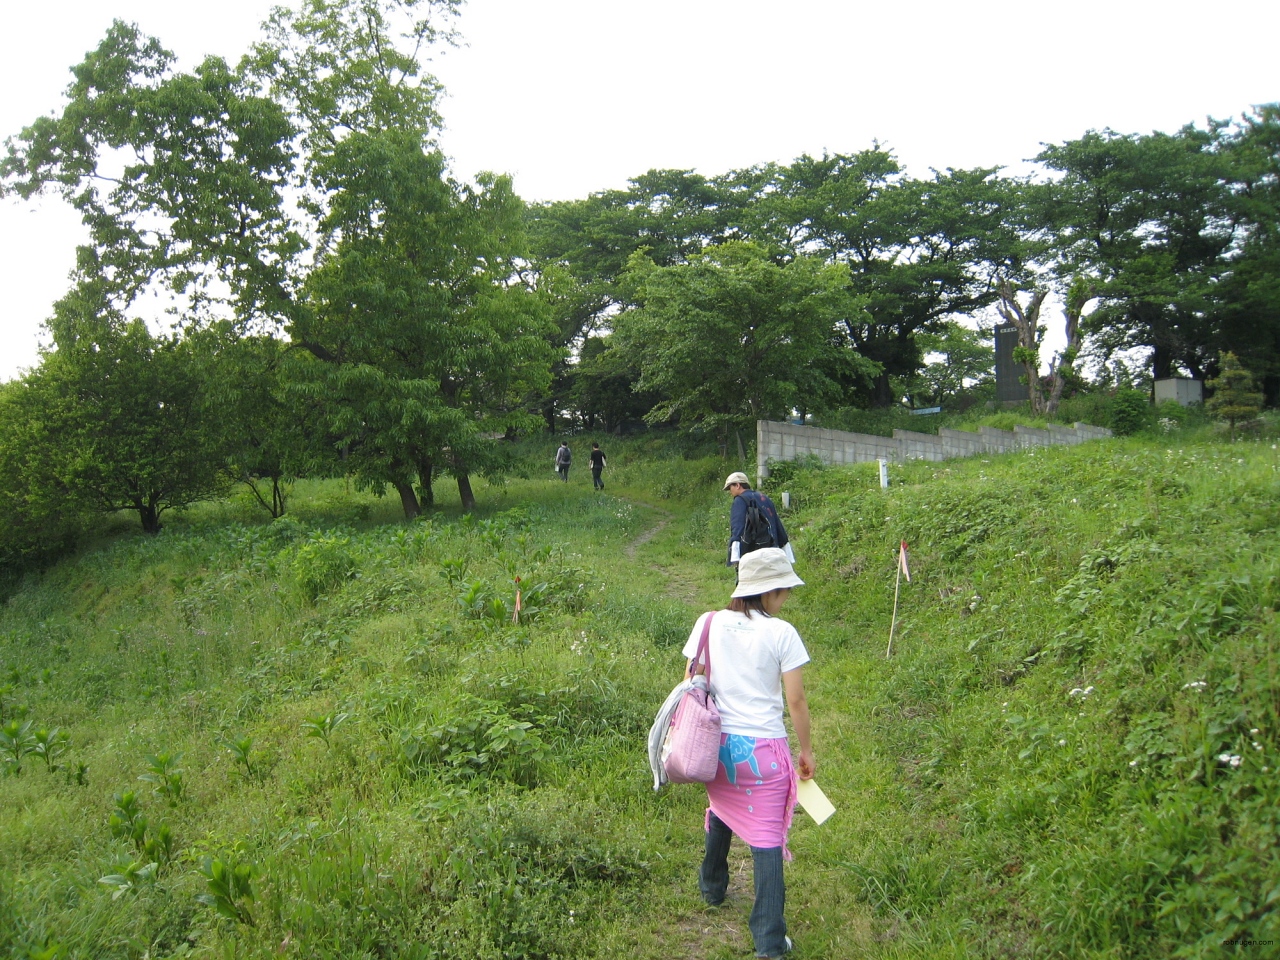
(768, 926)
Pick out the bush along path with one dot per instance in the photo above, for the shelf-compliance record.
(330, 735)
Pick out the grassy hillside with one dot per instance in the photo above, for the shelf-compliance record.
(325, 737)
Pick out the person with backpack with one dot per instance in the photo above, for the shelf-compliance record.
(563, 458)
(753, 521)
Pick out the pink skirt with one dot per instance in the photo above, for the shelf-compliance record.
(754, 792)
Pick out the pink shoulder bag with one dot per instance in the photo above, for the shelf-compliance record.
(691, 751)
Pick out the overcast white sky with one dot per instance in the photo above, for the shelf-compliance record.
(574, 96)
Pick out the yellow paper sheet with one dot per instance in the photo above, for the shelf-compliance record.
(814, 801)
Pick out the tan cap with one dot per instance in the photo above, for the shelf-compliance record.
(737, 477)
(763, 570)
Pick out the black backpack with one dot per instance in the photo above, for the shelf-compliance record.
(756, 532)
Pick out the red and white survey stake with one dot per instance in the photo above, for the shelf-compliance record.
(515, 614)
(903, 571)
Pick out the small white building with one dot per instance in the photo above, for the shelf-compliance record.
(1182, 389)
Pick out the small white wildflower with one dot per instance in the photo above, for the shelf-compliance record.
(1133, 763)
(1232, 759)
(1088, 690)
(1253, 732)
(1062, 743)
(1076, 692)
(1266, 769)
(1257, 745)
(1194, 685)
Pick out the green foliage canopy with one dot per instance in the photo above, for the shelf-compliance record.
(733, 336)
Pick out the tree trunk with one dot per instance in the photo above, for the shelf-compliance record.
(1161, 362)
(1077, 298)
(277, 499)
(425, 467)
(464, 492)
(742, 450)
(407, 499)
(149, 516)
(882, 391)
(276, 506)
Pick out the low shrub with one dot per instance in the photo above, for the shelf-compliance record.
(1130, 412)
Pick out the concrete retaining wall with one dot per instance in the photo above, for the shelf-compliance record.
(787, 441)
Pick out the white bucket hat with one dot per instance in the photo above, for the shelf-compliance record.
(763, 570)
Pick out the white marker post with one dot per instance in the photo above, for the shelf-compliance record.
(884, 474)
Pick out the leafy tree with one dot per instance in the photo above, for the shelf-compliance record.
(1235, 397)
(1247, 316)
(429, 346)
(965, 358)
(178, 177)
(733, 336)
(604, 387)
(1145, 221)
(42, 518)
(271, 434)
(917, 252)
(330, 102)
(428, 341)
(122, 413)
(582, 248)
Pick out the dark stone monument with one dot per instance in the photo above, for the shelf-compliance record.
(1008, 386)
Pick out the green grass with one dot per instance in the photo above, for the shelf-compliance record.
(486, 795)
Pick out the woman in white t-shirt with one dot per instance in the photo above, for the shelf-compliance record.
(756, 662)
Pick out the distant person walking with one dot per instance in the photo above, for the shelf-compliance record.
(597, 465)
(563, 458)
(753, 521)
(756, 661)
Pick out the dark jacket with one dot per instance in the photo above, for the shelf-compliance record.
(738, 519)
